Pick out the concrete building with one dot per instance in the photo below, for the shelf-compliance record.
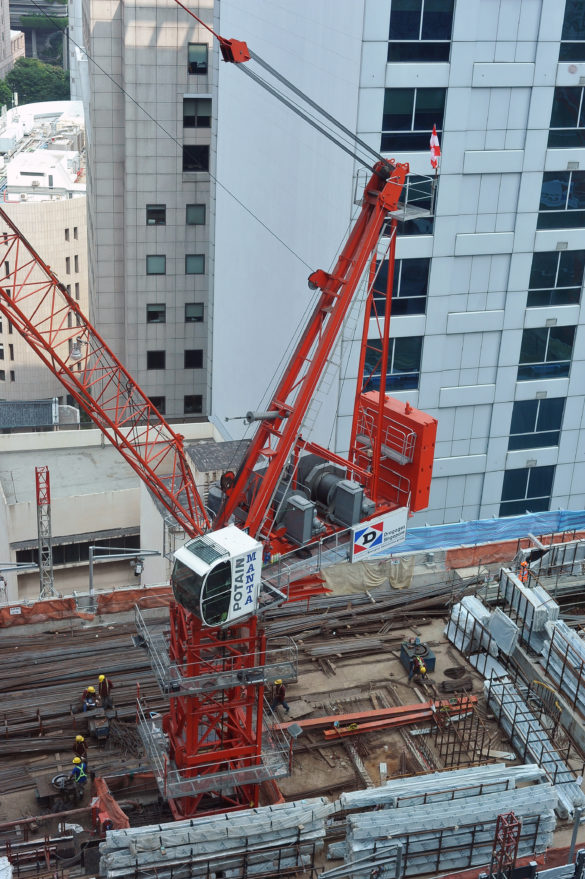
(42, 180)
(11, 41)
(487, 329)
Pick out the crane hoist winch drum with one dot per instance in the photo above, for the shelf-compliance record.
(218, 578)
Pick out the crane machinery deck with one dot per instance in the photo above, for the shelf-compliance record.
(212, 750)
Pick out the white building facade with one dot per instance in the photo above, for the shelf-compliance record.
(487, 328)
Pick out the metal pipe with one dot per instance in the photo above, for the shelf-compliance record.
(576, 823)
(8, 825)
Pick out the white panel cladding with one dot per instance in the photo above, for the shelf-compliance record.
(472, 395)
(502, 75)
(475, 321)
(492, 161)
(495, 242)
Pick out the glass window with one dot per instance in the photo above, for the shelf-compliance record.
(556, 278)
(156, 214)
(156, 265)
(194, 264)
(196, 158)
(573, 35)
(567, 124)
(76, 263)
(403, 367)
(409, 116)
(409, 290)
(156, 314)
(155, 359)
(66, 234)
(77, 289)
(195, 215)
(526, 490)
(68, 264)
(197, 58)
(196, 112)
(420, 30)
(562, 200)
(193, 312)
(193, 358)
(546, 353)
(193, 404)
(536, 423)
(159, 403)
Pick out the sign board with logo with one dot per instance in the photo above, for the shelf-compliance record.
(378, 534)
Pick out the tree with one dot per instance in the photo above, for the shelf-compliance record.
(35, 81)
(5, 95)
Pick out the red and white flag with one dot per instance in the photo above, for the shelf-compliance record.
(435, 148)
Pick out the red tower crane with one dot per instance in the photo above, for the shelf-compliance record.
(211, 750)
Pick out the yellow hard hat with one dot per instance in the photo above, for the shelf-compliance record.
(102, 678)
(76, 760)
(279, 681)
(79, 739)
(423, 669)
(91, 689)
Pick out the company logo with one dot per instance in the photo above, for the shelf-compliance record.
(368, 538)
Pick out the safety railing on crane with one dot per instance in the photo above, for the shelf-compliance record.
(215, 673)
(174, 783)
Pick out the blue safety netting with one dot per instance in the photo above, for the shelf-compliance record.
(487, 531)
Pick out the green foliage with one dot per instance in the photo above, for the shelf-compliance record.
(5, 95)
(35, 81)
(42, 23)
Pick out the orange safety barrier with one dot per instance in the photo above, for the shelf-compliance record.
(66, 608)
(108, 805)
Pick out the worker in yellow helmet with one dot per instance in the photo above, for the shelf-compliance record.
(79, 776)
(105, 687)
(89, 699)
(279, 696)
(80, 749)
(417, 670)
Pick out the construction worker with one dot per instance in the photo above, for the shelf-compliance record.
(89, 699)
(105, 687)
(523, 573)
(80, 749)
(417, 669)
(278, 696)
(79, 776)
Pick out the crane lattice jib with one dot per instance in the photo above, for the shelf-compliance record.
(275, 439)
(38, 305)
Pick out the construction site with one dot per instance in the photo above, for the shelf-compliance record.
(493, 730)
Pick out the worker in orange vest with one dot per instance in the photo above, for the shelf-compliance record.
(523, 574)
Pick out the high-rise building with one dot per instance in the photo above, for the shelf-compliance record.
(487, 328)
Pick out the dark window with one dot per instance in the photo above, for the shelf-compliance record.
(156, 265)
(193, 404)
(562, 200)
(526, 490)
(194, 264)
(76, 263)
(1, 352)
(409, 290)
(193, 312)
(156, 214)
(75, 235)
(2, 375)
(194, 358)
(546, 353)
(68, 264)
(403, 368)
(196, 158)
(197, 58)
(420, 30)
(156, 314)
(573, 35)
(556, 278)
(155, 359)
(567, 124)
(536, 423)
(66, 234)
(196, 112)
(77, 289)
(11, 351)
(195, 214)
(409, 116)
(12, 375)
(159, 403)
